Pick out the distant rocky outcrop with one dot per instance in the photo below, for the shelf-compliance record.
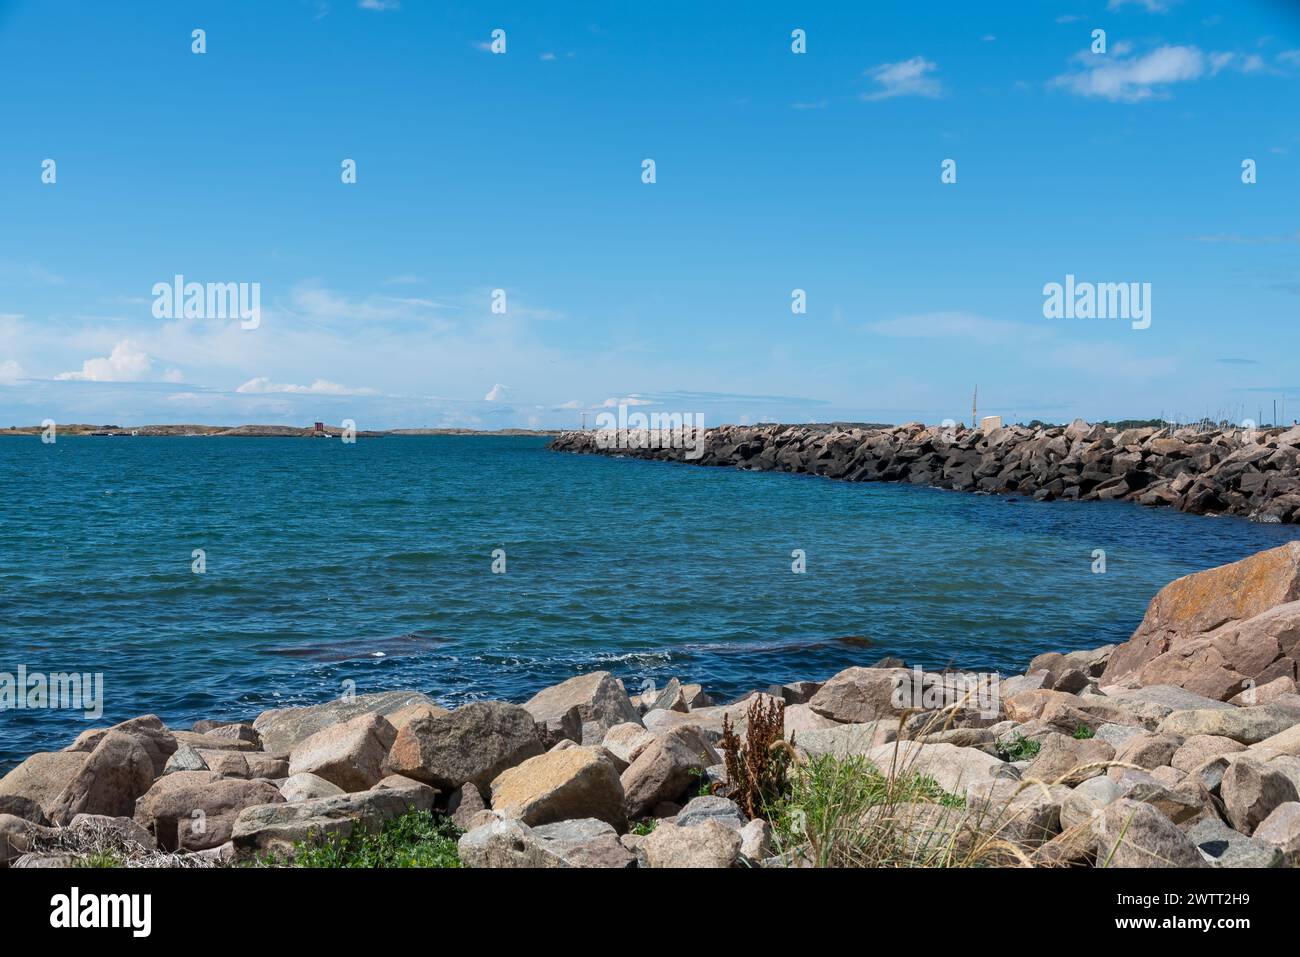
(1252, 473)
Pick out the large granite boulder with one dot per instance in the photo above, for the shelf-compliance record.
(1252, 790)
(42, 777)
(665, 769)
(707, 844)
(1245, 725)
(1069, 760)
(1133, 834)
(585, 842)
(1221, 846)
(599, 700)
(350, 754)
(626, 741)
(305, 787)
(966, 772)
(115, 774)
(275, 828)
(575, 782)
(148, 731)
(194, 810)
(859, 695)
(282, 729)
(474, 743)
(847, 740)
(1281, 829)
(1215, 631)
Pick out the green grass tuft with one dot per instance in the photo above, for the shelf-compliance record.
(1019, 748)
(846, 812)
(416, 839)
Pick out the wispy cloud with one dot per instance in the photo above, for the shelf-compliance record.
(380, 4)
(1150, 6)
(1121, 78)
(906, 78)
(264, 386)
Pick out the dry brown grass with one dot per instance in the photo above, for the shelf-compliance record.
(757, 764)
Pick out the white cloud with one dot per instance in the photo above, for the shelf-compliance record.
(497, 393)
(1241, 62)
(612, 403)
(1150, 6)
(1128, 79)
(905, 78)
(1219, 62)
(380, 5)
(571, 404)
(11, 371)
(126, 363)
(262, 386)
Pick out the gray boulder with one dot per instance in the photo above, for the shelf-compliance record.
(511, 843)
(42, 777)
(1252, 790)
(599, 699)
(1221, 846)
(1131, 834)
(350, 753)
(194, 810)
(274, 828)
(282, 729)
(474, 743)
(115, 774)
(707, 844)
(666, 769)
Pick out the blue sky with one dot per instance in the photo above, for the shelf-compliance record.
(522, 171)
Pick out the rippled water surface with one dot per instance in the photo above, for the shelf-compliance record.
(373, 563)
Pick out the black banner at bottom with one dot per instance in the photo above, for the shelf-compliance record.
(338, 907)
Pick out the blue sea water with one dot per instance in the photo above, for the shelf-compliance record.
(372, 563)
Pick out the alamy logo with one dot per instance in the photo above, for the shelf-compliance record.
(656, 430)
(73, 910)
(37, 690)
(179, 299)
(1102, 300)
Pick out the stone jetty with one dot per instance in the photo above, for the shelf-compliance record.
(1251, 473)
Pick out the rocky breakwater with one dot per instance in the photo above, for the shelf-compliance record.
(1180, 747)
(1253, 473)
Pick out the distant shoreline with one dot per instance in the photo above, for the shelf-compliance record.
(250, 431)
